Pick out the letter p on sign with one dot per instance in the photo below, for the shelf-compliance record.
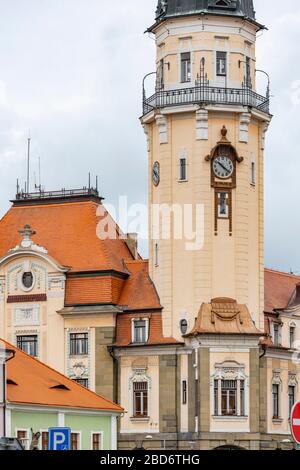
(59, 439)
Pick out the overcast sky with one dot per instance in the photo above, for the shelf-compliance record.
(71, 72)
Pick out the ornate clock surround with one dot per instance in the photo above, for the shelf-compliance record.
(223, 187)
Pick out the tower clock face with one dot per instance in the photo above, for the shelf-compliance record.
(223, 167)
(156, 174)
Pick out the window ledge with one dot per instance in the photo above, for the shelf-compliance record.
(183, 181)
(142, 419)
(277, 420)
(230, 418)
(82, 356)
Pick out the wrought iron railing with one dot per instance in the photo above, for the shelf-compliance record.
(63, 193)
(205, 94)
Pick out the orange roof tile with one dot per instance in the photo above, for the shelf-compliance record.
(69, 232)
(156, 337)
(279, 289)
(93, 290)
(35, 381)
(139, 292)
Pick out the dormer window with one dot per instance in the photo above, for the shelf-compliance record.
(223, 4)
(140, 331)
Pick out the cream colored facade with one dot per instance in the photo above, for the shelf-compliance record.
(224, 266)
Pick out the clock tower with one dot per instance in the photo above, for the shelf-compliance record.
(205, 124)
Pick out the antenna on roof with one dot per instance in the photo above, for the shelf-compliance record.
(96, 182)
(89, 180)
(28, 161)
(39, 186)
(18, 186)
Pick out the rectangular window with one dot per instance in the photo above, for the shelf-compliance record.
(161, 78)
(28, 344)
(45, 438)
(184, 392)
(96, 441)
(275, 391)
(83, 382)
(221, 64)
(242, 398)
(186, 67)
(291, 399)
(292, 336)
(253, 173)
(140, 331)
(22, 436)
(216, 397)
(229, 398)
(156, 254)
(248, 72)
(79, 344)
(276, 334)
(75, 441)
(140, 399)
(182, 169)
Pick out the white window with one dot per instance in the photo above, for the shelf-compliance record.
(140, 329)
(229, 397)
(276, 334)
(140, 399)
(221, 64)
(186, 67)
(23, 436)
(97, 441)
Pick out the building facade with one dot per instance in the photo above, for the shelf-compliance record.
(39, 398)
(198, 344)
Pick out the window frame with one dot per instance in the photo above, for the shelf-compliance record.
(133, 330)
(98, 433)
(20, 342)
(290, 407)
(78, 433)
(218, 61)
(73, 349)
(143, 394)
(183, 170)
(276, 403)
(26, 445)
(185, 67)
(184, 392)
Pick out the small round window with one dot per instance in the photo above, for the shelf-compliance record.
(183, 326)
(27, 280)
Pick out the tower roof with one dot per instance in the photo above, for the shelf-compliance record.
(174, 8)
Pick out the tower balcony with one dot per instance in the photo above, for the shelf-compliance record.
(203, 94)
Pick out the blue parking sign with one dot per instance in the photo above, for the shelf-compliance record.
(59, 438)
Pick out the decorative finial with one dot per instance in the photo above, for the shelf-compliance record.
(224, 132)
(26, 233)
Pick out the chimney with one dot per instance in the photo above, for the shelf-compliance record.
(132, 243)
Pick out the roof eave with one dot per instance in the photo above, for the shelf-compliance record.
(204, 13)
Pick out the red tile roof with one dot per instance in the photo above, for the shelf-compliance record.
(124, 333)
(34, 383)
(69, 232)
(279, 289)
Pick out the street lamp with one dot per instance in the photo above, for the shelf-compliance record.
(5, 356)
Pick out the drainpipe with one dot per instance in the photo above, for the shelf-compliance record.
(6, 355)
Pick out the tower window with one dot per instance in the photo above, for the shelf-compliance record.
(186, 67)
(223, 211)
(182, 169)
(221, 64)
(156, 254)
(253, 173)
(248, 72)
(184, 392)
(183, 326)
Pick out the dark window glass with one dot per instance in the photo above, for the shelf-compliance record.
(28, 344)
(139, 333)
(74, 441)
(79, 344)
(291, 399)
(216, 397)
(140, 399)
(183, 168)
(223, 204)
(186, 67)
(242, 397)
(229, 398)
(183, 326)
(97, 442)
(222, 64)
(276, 334)
(83, 382)
(27, 280)
(184, 392)
(45, 437)
(275, 401)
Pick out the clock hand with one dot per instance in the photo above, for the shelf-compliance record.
(224, 167)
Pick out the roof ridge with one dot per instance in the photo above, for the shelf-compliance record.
(38, 362)
(282, 273)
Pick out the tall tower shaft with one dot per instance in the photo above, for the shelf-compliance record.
(205, 126)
